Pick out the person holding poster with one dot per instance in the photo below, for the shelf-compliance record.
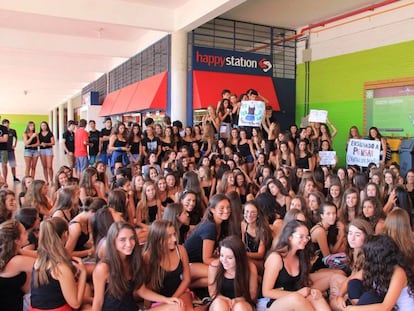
(374, 134)
(225, 115)
(326, 156)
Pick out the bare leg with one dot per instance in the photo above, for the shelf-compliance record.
(4, 169)
(49, 163)
(220, 303)
(33, 167)
(291, 302)
(44, 165)
(242, 306)
(27, 161)
(199, 273)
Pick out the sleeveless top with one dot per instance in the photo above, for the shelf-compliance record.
(244, 149)
(120, 143)
(285, 281)
(252, 246)
(167, 201)
(227, 288)
(135, 147)
(11, 294)
(33, 142)
(83, 238)
(47, 296)
(207, 191)
(172, 279)
(318, 264)
(152, 213)
(405, 302)
(127, 303)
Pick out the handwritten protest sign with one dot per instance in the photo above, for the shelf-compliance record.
(251, 113)
(318, 116)
(327, 157)
(362, 152)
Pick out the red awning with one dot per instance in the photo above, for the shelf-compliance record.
(207, 87)
(148, 94)
(108, 104)
(124, 99)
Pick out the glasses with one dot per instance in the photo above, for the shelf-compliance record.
(301, 236)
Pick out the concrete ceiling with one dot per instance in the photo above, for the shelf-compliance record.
(50, 50)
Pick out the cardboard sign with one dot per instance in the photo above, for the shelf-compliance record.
(363, 152)
(318, 116)
(327, 157)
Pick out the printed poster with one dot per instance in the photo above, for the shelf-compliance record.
(251, 113)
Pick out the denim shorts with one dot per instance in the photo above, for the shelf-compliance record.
(32, 153)
(46, 152)
(249, 159)
(81, 163)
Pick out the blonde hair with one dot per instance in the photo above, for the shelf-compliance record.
(51, 250)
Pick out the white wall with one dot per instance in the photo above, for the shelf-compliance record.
(361, 32)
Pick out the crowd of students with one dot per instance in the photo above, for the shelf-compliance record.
(245, 218)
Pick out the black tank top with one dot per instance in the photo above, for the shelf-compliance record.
(83, 238)
(48, 296)
(152, 213)
(11, 294)
(127, 303)
(227, 288)
(252, 246)
(285, 281)
(172, 279)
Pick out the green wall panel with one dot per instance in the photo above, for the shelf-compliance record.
(19, 122)
(337, 84)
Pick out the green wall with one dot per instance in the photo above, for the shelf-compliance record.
(337, 85)
(19, 122)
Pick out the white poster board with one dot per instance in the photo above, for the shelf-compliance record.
(362, 152)
(327, 157)
(318, 116)
(251, 113)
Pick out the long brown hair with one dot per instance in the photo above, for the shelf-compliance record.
(157, 248)
(34, 194)
(283, 246)
(242, 275)
(119, 285)
(397, 226)
(356, 262)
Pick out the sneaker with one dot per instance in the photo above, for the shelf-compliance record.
(16, 180)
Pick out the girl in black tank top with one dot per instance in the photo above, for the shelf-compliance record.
(286, 281)
(167, 261)
(232, 279)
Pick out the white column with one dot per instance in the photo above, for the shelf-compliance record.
(50, 121)
(62, 125)
(71, 112)
(179, 76)
(55, 122)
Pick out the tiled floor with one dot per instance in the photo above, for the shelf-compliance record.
(58, 161)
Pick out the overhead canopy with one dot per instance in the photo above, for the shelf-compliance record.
(207, 87)
(108, 103)
(148, 94)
